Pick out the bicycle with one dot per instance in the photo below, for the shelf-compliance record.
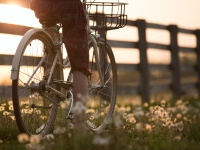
(38, 84)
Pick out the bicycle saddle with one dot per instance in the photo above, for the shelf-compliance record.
(48, 21)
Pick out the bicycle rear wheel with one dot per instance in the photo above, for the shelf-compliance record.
(101, 97)
(34, 113)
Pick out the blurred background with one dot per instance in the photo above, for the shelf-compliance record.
(183, 13)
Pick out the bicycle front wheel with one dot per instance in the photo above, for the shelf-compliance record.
(101, 96)
(34, 112)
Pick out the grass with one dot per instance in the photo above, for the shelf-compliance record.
(157, 125)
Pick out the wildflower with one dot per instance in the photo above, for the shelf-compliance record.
(127, 109)
(185, 118)
(91, 117)
(34, 140)
(78, 108)
(121, 110)
(179, 102)
(21, 103)
(95, 115)
(131, 115)
(70, 125)
(124, 115)
(26, 102)
(148, 127)
(3, 104)
(23, 138)
(151, 108)
(163, 102)
(171, 109)
(152, 101)
(83, 98)
(177, 138)
(11, 108)
(30, 111)
(169, 124)
(2, 108)
(117, 121)
(10, 103)
(43, 117)
(29, 146)
(24, 111)
(37, 112)
(145, 104)
(139, 126)
(90, 111)
(131, 120)
(179, 115)
(182, 108)
(98, 140)
(180, 126)
(105, 103)
(6, 113)
(34, 147)
(138, 112)
(50, 137)
(64, 104)
(12, 117)
(102, 114)
(59, 130)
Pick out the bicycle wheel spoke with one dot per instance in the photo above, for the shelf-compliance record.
(108, 80)
(102, 96)
(99, 92)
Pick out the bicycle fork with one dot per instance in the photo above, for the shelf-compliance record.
(94, 43)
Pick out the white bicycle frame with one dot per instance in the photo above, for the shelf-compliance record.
(58, 58)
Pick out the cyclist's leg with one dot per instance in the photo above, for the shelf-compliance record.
(79, 92)
(76, 43)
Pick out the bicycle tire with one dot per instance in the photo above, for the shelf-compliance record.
(101, 98)
(34, 113)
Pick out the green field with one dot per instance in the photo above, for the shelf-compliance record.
(158, 125)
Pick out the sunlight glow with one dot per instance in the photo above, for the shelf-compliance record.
(14, 14)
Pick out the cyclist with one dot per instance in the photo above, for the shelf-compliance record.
(75, 37)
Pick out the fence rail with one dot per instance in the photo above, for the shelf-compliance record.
(144, 88)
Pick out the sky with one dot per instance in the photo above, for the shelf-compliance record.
(184, 13)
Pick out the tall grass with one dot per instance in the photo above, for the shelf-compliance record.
(157, 125)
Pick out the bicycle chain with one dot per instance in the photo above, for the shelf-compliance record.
(42, 89)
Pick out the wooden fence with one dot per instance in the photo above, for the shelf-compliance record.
(177, 88)
(144, 88)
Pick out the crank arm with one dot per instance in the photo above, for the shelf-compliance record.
(56, 92)
(45, 107)
(49, 99)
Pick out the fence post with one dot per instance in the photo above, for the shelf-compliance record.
(198, 59)
(144, 67)
(175, 64)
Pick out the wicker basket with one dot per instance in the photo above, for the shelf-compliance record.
(106, 15)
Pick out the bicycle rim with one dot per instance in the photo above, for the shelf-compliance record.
(101, 98)
(34, 113)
